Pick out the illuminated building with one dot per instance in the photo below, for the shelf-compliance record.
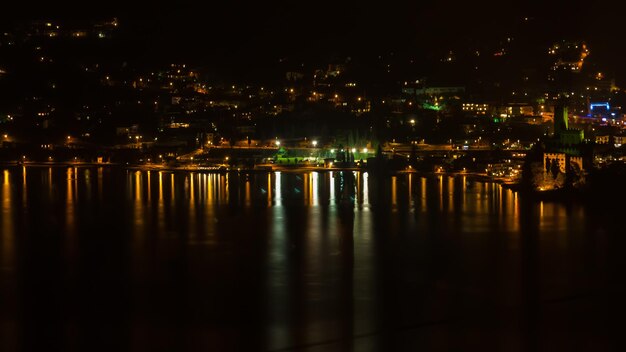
(569, 56)
(602, 139)
(619, 140)
(515, 110)
(603, 111)
(478, 109)
(562, 160)
(565, 80)
(433, 91)
(566, 147)
(567, 137)
(50, 29)
(599, 108)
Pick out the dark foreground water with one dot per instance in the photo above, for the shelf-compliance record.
(96, 259)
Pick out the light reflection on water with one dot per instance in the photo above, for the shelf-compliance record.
(8, 230)
(286, 259)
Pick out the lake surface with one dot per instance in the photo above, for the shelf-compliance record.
(109, 259)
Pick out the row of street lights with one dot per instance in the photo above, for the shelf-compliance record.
(314, 143)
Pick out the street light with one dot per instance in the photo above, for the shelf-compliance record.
(314, 144)
(278, 143)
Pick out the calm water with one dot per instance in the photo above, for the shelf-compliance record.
(117, 260)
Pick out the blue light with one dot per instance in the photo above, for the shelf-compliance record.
(600, 105)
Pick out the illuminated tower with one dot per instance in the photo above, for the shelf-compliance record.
(564, 137)
(560, 119)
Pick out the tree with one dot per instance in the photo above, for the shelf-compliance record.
(573, 175)
(413, 156)
(555, 169)
(527, 175)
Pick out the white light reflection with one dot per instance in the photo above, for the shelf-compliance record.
(331, 177)
(278, 197)
(366, 189)
(315, 188)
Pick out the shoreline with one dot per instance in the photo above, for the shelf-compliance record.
(555, 195)
(480, 177)
(56, 164)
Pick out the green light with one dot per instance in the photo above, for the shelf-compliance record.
(432, 107)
